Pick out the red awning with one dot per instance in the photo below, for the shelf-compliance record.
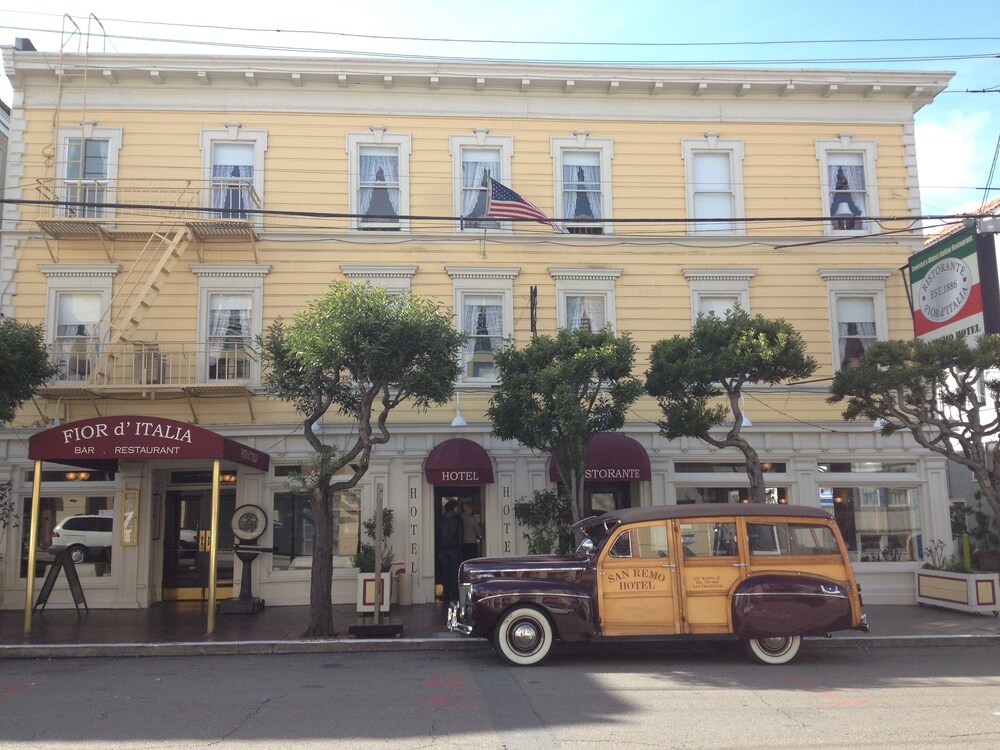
(612, 457)
(459, 461)
(102, 442)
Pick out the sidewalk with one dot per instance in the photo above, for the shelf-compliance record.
(178, 628)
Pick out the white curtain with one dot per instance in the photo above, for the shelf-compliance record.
(76, 333)
(579, 308)
(379, 176)
(479, 314)
(231, 190)
(581, 191)
(228, 331)
(474, 189)
(847, 183)
(854, 340)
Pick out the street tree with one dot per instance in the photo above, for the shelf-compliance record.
(24, 365)
(689, 374)
(359, 352)
(555, 394)
(943, 392)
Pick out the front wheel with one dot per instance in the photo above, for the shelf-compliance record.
(78, 554)
(523, 637)
(779, 650)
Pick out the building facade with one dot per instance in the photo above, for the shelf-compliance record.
(168, 209)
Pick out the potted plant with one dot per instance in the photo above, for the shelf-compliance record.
(364, 561)
(946, 581)
(8, 516)
(985, 540)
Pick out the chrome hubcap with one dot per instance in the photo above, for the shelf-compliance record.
(524, 636)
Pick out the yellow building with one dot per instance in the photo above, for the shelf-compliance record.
(164, 210)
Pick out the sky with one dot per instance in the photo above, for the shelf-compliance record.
(958, 135)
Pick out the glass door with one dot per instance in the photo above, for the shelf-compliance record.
(187, 544)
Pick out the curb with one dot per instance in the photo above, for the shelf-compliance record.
(440, 643)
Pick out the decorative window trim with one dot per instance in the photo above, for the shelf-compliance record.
(711, 142)
(583, 141)
(233, 133)
(395, 279)
(848, 143)
(707, 282)
(228, 279)
(479, 138)
(90, 130)
(480, 280)
(855, 282)
(377, 136)
(587, 281)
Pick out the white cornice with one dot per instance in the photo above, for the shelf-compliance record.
(584, 274)
(230, 270)
(481, 272)
(78, 270)
(855, 274)
(719, 274)
(364, 272)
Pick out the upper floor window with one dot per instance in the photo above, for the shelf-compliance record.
(847, 172)
(379, 179)
(476, 158)
(585, 297)
(858, 315)
(88, 170)
(714, 183)
(718, 290)
(229, 320)
(484, 312)
(233, 163)
(77, 314)
(583, 182)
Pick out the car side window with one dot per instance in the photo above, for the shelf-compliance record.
(651, 541)
(709, 539)
(104, 524)
(622, 546)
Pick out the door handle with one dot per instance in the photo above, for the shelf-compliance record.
(668, 565)
(739, 565)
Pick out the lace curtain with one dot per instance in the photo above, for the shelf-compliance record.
(229, 336)
(854, 340)
(379, 194)
(848, 188)
(474, 189)
(585, 310)
(231, 185)
(482, 322)
(581, 191)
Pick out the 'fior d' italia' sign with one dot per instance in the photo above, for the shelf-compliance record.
(137, 438)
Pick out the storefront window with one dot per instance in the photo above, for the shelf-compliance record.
(879, 524)
(735, 467)
(82, 526)
(294, 530)
(706, 495)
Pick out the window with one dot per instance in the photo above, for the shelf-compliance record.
(294, 530)
(879, 524)
(88, 169)
(233, 163)
(718, 290)
(77, 312)
(229, 319)
(583, 181)
(475, 158)
(857, 311)
(709, 539)
(585, 297)
(79, 523)
(379, 180)
(791, 539)
(730, 494)
(714, 183)
(847, 173)
(641, 542)
(484, 311)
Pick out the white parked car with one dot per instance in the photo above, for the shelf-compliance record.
(85, 537)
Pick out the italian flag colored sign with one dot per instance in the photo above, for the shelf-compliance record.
(947, 293)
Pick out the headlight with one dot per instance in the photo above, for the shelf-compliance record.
(464, 592)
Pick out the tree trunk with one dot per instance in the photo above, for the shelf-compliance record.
(321, 582)
(755, 472)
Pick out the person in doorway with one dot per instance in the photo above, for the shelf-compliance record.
(451, 534)
(471, 531)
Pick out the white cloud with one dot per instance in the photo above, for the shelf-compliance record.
(951, 162)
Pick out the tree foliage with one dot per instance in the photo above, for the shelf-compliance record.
(943, 392)
(688, 374)
(359, 352)
(547, 517)
(556, 393)
(24, 365)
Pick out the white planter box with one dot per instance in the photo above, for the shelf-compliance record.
(967, 592)
(367, 592)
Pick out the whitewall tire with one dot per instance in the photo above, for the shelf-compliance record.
(780, 650)
(523, 636)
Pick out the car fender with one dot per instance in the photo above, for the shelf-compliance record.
(781, 604)
(570, 608)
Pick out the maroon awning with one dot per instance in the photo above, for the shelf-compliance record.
(104, 441)
(458, 461)
(612, 457)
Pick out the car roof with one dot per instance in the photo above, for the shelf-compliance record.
(711, 510)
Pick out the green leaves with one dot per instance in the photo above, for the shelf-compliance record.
(24, 365)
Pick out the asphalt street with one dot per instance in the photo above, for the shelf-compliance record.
(586, 697)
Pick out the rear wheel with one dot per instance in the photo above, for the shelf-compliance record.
(523, 637)
(77, 554)
(778, 650)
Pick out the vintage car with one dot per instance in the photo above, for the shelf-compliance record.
(762, 575)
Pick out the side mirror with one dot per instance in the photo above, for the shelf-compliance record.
(586, 547)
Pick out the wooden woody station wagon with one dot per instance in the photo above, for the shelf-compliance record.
(763, 575)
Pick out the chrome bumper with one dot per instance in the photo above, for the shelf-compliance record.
(455, 623)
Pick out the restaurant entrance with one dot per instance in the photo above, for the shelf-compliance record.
(187, 544)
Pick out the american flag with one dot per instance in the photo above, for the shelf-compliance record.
(504, 203)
